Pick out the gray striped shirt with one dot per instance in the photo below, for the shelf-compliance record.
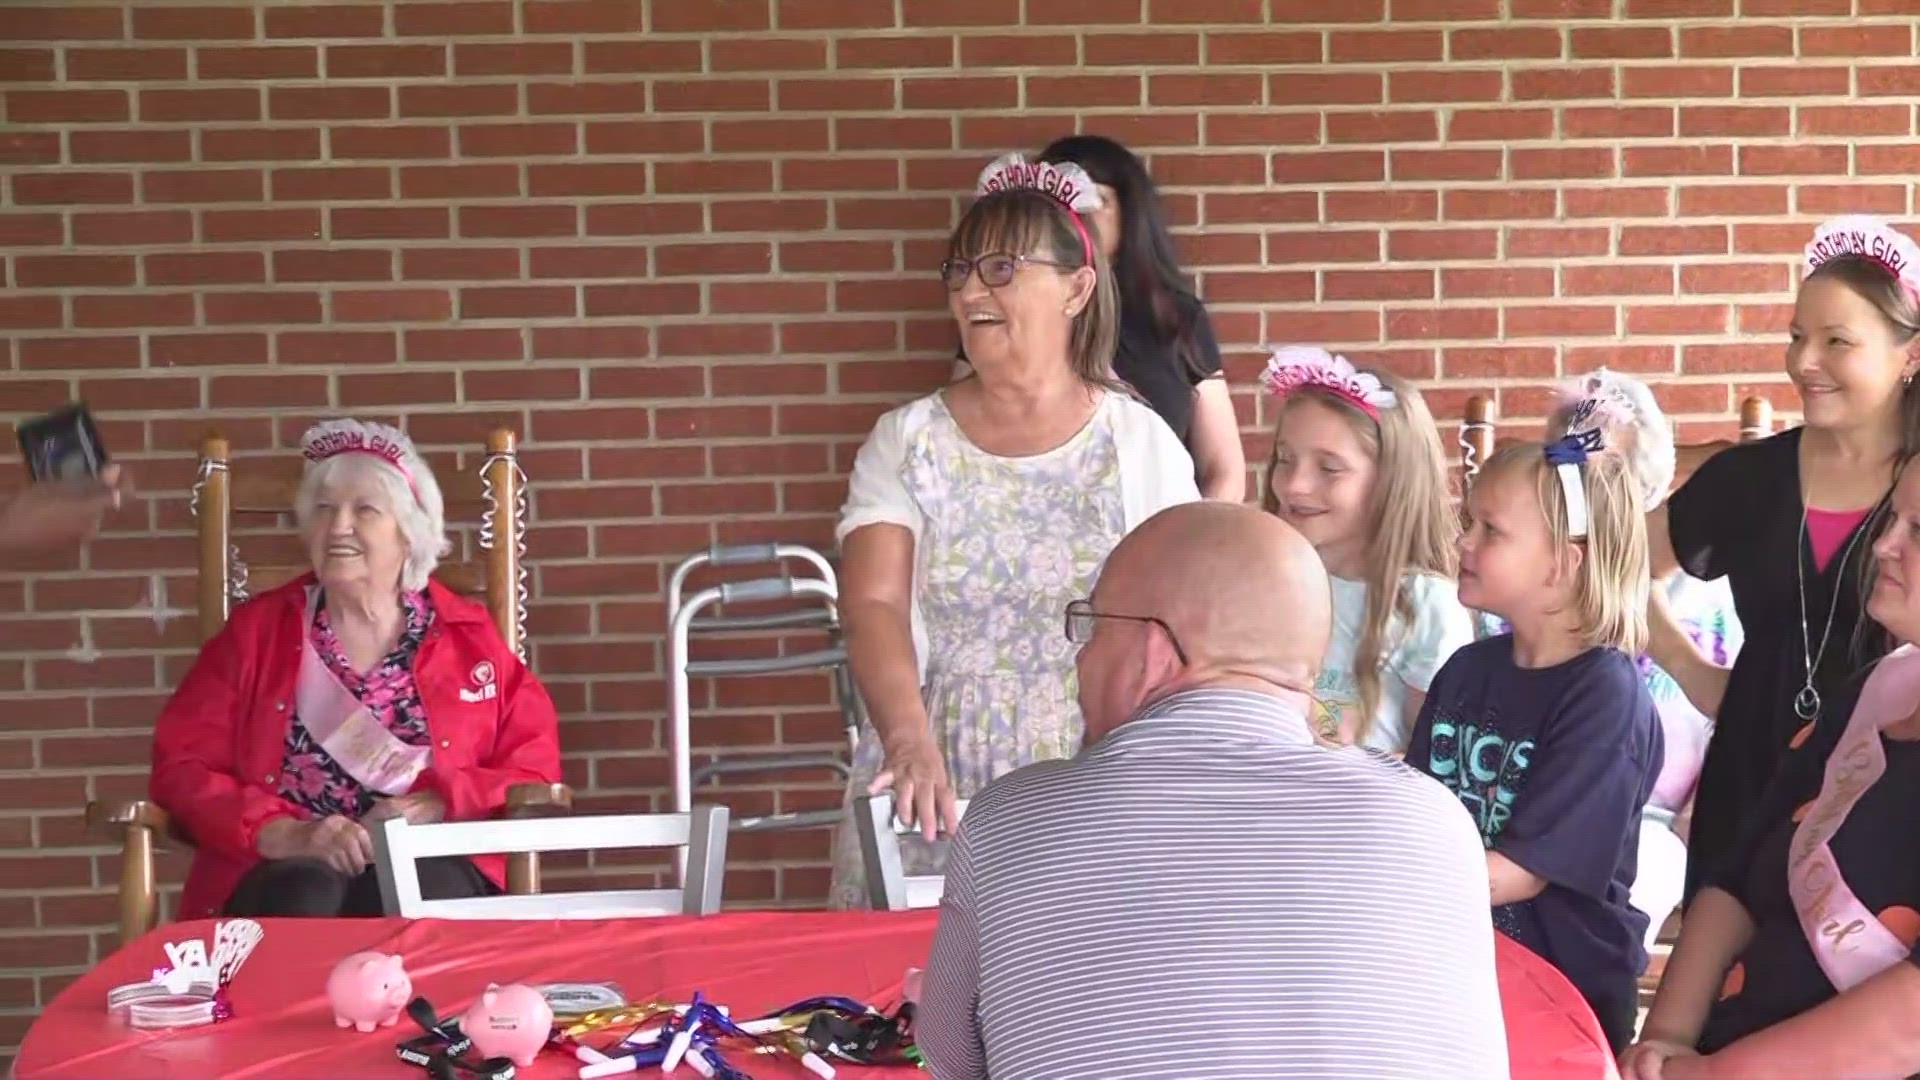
(1208, 893)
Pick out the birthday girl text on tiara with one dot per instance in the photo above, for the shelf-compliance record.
(341, 442)
(1029, 174)
(1876, 246)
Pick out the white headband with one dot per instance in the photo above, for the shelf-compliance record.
(1567, 456)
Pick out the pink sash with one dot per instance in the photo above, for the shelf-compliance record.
(1850, 942)
(347, 731)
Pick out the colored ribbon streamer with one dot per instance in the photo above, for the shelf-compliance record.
(700, 1034)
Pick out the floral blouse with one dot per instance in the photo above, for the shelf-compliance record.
(310, 778)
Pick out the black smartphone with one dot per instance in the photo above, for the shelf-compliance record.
(63, 445)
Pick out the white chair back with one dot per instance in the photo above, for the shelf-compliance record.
(889, 888)
(702, 833)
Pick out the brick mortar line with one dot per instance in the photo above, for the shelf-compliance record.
(709, 360)
(1235, 229)
(1169, 111)
(737, 196)
(1145, 28)
(880, 398)
(1198, 66)
(491, 202)
(1238, 228)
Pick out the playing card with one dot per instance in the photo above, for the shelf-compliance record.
(233, 942)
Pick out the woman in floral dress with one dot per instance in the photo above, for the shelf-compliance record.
(977, 513)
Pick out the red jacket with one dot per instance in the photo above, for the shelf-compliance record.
(219, 743)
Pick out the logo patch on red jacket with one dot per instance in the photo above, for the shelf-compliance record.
(483, 688)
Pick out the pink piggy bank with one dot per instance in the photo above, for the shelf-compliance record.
(368, 988)
(509, 1021)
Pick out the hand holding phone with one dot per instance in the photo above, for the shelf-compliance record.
(53, 513)
(73, 484)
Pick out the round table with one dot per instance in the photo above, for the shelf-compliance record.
(751, 962)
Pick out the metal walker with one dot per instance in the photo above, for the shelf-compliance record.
(820, 609)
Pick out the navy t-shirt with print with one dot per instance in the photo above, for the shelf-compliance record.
(1555, 764)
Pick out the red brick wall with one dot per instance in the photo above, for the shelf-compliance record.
(685, 247)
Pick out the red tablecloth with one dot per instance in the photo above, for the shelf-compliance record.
(749, 961)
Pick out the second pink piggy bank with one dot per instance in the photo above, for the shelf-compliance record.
(368, 989)
(509, 1021)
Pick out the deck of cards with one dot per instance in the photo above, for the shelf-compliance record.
(191, 989)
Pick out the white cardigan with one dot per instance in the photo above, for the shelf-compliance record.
(1155, 473)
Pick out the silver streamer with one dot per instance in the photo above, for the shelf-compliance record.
(520, 532)
(236, 566)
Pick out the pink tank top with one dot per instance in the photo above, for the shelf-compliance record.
(1827, 530)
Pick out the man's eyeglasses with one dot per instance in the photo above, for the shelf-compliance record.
(1081, 617)
(996, 269)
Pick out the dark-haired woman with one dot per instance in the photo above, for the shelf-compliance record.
(1167, 351)
(977, 513)
(1789, 520)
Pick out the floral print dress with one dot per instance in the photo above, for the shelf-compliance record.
(310, 778)
(1005, 545)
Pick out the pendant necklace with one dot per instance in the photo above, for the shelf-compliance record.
(1806, 703)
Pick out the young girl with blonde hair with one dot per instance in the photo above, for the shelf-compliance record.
(1547, 734)
(1357, 468)
(1700, 614)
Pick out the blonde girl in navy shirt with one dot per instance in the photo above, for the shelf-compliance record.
(1547, 734)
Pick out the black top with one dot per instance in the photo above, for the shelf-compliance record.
(1555, 764)
(1165, 380)
(1739, 516)
(1147, 363)
(1777, 976)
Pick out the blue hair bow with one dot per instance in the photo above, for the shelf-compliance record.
(1567, 455)
(1573, 447)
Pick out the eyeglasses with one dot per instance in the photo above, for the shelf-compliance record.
(1081, 617)
(996, 269)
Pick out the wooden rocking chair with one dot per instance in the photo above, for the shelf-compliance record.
(1477, 439)
(495, 497)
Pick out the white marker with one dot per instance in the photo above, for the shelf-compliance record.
(678, 1048)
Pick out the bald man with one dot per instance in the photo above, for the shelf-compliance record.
(1205, 891)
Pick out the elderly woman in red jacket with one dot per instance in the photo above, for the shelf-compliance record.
(360, 692)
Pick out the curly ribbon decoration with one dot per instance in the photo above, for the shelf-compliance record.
(236, 566)
(1469, 450)
(487, 538)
